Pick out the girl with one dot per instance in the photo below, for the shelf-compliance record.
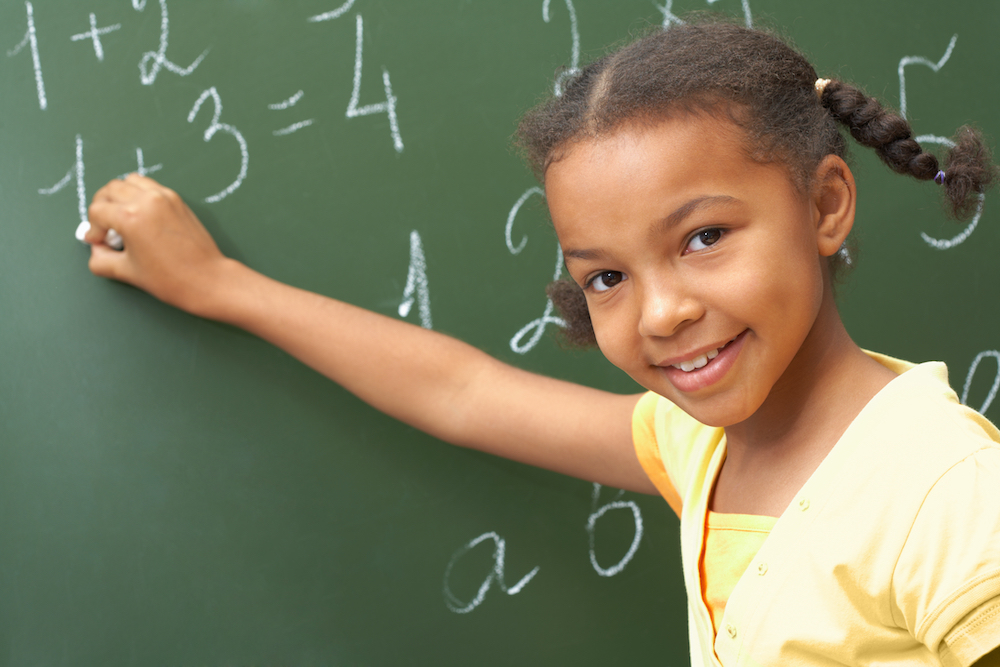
(837, 506)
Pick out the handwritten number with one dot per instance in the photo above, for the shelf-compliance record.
(938, 244)
(336, 13)
(536, 328)
(153, 61)
(31, 39)
(215, 127)
(77, 171)
(920, 60)
(972, 372)
(387, 107)
(574, 67)
(416, 284)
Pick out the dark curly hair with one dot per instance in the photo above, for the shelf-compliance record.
(754, 79)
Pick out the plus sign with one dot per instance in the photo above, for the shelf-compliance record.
(95, 34)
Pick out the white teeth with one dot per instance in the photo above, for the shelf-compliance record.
(699, 361)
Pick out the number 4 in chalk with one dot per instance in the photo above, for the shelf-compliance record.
(388, 107)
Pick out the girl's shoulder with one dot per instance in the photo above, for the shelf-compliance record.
(922, 406)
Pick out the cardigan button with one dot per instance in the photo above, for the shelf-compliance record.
(731, 630)
(804, 504)
(762, 569)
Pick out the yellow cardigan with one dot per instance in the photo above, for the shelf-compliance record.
(888, 555)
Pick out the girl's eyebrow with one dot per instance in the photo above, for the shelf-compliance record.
(706, 201)
(582, 254)
(664, 225)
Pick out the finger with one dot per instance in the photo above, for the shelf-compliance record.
(108, 263)
(115, 191)
(137, 180)
(103, 215)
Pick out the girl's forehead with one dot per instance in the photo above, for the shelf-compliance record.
(682, 138)
(680, 150)
(647, 172)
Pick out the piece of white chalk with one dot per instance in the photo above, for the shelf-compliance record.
(113, 238)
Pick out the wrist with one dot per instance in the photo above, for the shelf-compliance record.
(221, 295)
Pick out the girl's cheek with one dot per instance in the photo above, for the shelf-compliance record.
(611, 343)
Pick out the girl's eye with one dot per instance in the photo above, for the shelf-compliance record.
(703, 239)
(605, 280)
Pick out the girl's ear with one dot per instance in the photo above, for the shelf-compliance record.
(833, 201)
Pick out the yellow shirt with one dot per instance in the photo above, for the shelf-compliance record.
(731, 542)
(888, 555)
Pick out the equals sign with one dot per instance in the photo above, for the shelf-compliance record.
(287, 104)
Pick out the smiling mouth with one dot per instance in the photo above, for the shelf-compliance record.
(702, 360)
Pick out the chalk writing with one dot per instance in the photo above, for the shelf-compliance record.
(77, 170)
(596, 513)
(496, 575)
(294, 127)
(574, 67)
(513, 214)
(920, 60)
(112, 238)
(669, 18)
(31, 40)
(94, 34)
(416, 284)
(939, 244)
(353, 110)
(153, 61)
(972, 372)
(336, 13)
(536, 328)
(216, 126)
(143, 170)
(288, 104)
(387, 107)
(945, 244)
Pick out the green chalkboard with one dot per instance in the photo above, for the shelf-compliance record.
(177, 492)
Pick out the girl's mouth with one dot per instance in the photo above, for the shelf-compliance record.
(706, 369)
(702, 360)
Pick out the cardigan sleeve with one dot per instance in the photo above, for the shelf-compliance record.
(946, 583)
(647, 449)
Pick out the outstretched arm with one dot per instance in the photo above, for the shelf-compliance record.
(435, 383)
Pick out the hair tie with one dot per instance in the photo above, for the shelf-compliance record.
(939, 178)
(820, 86)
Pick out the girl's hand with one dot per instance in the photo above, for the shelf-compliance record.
(167, 252)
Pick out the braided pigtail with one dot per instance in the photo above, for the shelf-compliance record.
(968, 169)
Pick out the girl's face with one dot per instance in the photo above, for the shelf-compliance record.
(701, 267)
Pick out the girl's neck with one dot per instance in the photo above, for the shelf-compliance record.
(828, 383)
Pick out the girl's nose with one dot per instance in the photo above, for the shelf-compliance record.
(666, 309)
